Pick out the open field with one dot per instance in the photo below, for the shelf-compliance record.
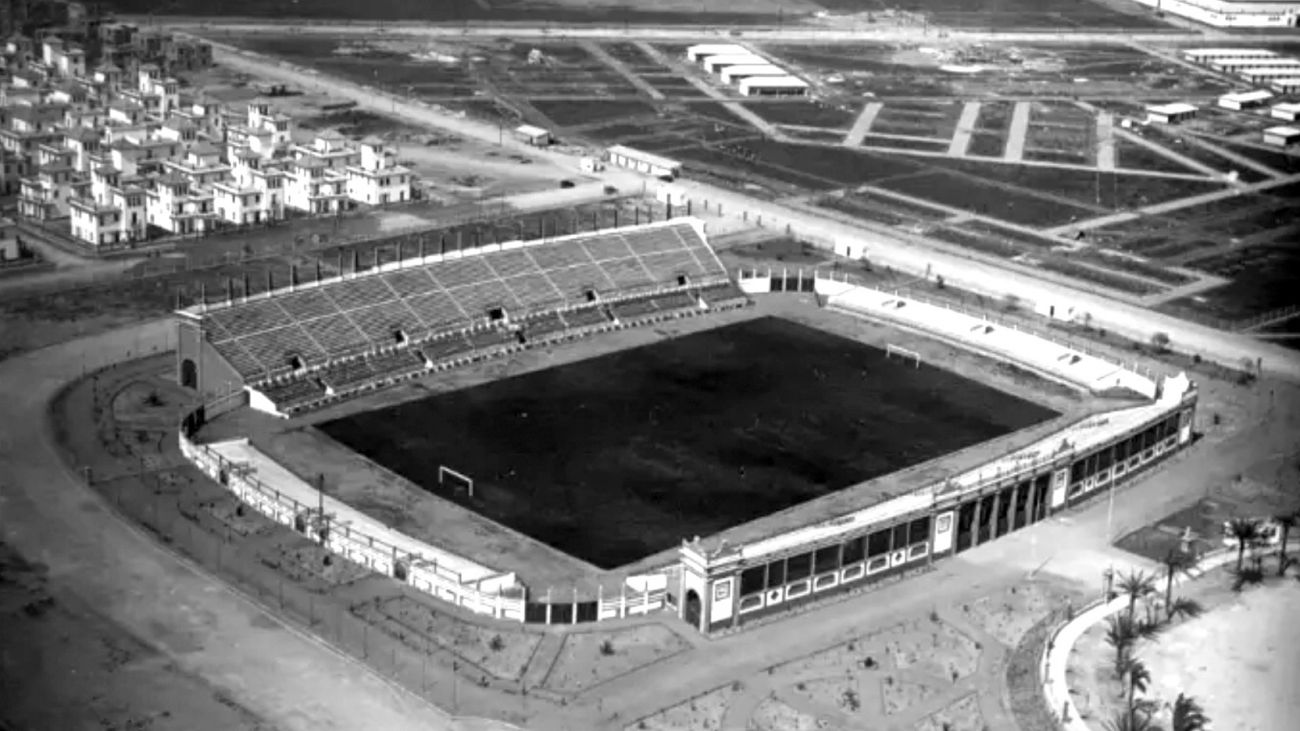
(604, 459)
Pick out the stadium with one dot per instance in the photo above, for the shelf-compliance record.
(702, 453)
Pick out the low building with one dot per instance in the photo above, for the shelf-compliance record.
(1207, 55)
(732, 74)
(1170, 113)
(1239, 101)
(1264, 74)
(1281, 136)
(715, 64)
(701, 51)
(1286, 86)
(773, 86)
(644, 162)
(377, 179)
(1287, 111)
(1232, 13)
(535, 136)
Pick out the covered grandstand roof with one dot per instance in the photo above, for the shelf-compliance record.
(421, 297)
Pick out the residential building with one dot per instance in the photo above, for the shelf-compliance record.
(378, 179)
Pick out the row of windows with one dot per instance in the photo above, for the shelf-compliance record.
(1102, 460)
(831, 558)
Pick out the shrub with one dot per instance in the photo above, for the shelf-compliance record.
(607, 648)
(934, 615)
(1160, 341)
(496, 644)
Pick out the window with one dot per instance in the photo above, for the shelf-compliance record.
(878, 543)
(826, 559)
(752, 580)
(776, 574)
(496, 314)
(798, 567)
(855, 550)
(919, 530)
(900, 536)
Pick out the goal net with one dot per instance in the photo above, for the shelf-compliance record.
(898, 351)
(454, 481)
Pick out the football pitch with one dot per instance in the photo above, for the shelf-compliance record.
(618, 457)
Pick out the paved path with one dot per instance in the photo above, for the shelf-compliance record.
(1166, 152)
(287, 678)
(597, 50)
(970, 112)
(1015, 150)
(862, 124)
(1227, 154)
(1106, 141)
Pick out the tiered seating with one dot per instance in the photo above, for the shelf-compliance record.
(667, 267)
(245, 364)
(215, 332)
(250, 317)
(607, 247)
(557, 256)
(336, 334)
(446, 347)
(410, 282)
(574, 281)
(676, 301)
(626, 273)
(348, 375)
(536, 328)
(656, 240)
(632, 309)
(379, 324)
(533, 290)
(396, 363)
(511, 263)
(724, 295)
(360, 292)
(436, 308)
(294, 394)
(490, 338)
(585, 317)
(274, 347)
(476, 299)
(307, 304)
(461, 272)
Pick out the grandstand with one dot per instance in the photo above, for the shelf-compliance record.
(301, 347)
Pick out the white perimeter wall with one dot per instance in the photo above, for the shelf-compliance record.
(1230, 15)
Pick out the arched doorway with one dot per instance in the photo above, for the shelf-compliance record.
(189, 374)
(691, 610)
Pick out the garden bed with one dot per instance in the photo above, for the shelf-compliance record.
(587, 659)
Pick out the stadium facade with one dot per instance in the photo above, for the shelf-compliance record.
(289, 350)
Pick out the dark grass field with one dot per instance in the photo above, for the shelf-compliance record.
(619, 457)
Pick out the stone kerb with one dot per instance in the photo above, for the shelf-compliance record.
(1056, 656)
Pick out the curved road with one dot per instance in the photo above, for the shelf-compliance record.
(287, 678)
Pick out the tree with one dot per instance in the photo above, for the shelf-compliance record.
(1121, 634)
(1137, 677)
(1136, 584)
(1188, 715)
(1160, 341)
(1184, 607)
(1175, 562)
(1286, 521)
(1244, 531)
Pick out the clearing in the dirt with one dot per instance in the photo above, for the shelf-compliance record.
(615, 458)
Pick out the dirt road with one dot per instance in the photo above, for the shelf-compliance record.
(202, 629)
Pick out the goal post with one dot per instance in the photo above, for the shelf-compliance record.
(446, 474)
(892, 350)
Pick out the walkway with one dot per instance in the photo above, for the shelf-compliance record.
(289, 679)
(1227, 154)
(597, 50)
(1166, 152)
(1015, 151)
(862, 124)
(970, 112)
(1106, 141)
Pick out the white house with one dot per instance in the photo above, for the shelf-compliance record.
(1281, 136)
(1287, 111)
(378, 179)
(1245, 99)
(1170, 113)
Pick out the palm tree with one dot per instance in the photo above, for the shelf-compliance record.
(1125, 721)
(1244, 530)
(1175, 562)
(1287, 521)
(1121, 634)
(1136, 584)
(1184, 607)
(1188, 715)
(1136, 678)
